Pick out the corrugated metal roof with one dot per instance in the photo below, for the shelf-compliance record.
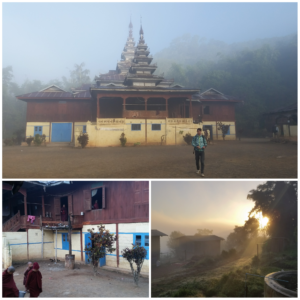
(200, 238)
(56, 95)
(287, 108)
(155, 232)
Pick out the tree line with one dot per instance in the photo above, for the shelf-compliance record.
(14, 110)
(261, 74)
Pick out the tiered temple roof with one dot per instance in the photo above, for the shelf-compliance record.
(135, 68)
(141, 70)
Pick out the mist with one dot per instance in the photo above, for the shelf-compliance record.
(188, 206)
(43, 41)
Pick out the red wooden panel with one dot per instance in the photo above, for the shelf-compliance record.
(57, 216)
(87, 198)
(103, 197)
(70, 204)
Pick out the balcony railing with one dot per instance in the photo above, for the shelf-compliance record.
(13, 224)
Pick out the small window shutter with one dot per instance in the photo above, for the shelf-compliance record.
(103, 197)
(87, 199)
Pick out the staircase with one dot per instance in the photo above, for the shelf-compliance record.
(13, 224)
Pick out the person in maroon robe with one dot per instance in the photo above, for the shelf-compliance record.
(63, 213)
(29, 268)
(34, 281)
(9, 288)
(96, 205)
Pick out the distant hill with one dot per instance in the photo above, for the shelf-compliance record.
(186, 49)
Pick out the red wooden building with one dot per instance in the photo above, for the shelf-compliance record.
(130, 92)
(122, 206)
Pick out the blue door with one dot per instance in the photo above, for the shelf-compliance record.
(102, 261)
(65, 243)
(38, 130)
(61, 132)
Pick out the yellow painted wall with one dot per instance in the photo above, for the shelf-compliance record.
(18, 244)
(294, 130)
(126, 240)
(75, 246)
(153, 136)
(135, 136)
(107, 132)
(30, 129)
(111, 259)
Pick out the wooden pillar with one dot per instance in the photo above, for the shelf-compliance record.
(27, 245)
(124, 107)
(81, 250)
(167, 108)
(191, 116)
(184, 108)
(117, 232)
(43, 207)
(146, 100)
(146, 131)
(42, 242)
(70, 234)
(25, 205)
(56, 246)
(98, 107)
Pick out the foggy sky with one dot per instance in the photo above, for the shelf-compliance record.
(188, 206)
(44, 40)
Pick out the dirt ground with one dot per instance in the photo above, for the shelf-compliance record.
(80, 282)
(249, 158)
(169, 277)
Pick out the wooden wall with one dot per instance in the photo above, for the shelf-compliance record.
(126, 201)
(59, 111)
(217, 111)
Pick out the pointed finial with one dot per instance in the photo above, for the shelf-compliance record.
(130, 24)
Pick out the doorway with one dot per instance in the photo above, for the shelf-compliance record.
(64, 202)
(209, 127)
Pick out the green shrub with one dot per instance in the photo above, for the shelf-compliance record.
(83, 139)
(8, 142)
(39, 139)
(29, 140)
(188, 138)
(123, 139)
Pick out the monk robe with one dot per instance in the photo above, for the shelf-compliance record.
(63, 214)
(96, 206)
(9, 288)
(26, 274)
(34, 283)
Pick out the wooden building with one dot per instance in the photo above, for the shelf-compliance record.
(33, 215)
(286, 119)
(155, 245)
(189, 246)
(146, 107)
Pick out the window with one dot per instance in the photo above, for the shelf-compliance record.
(156, 127)
(142, 239)
(98, 198)
(84, 129)
(206, 110)
(147, 240)
(136, 127)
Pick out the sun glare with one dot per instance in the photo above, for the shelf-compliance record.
(263, 221)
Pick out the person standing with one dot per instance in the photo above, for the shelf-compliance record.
(199, 143)
(63, 213)
(34, 281)
(96, 206)
(29, 268)
(9, 288)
